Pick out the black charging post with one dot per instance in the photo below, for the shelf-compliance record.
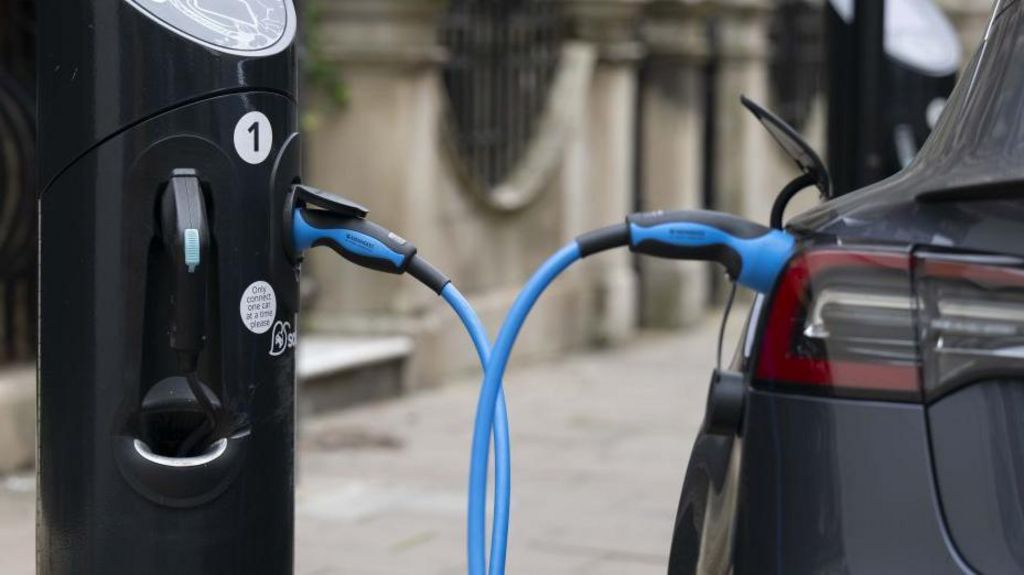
(167, 301)
(890, 66)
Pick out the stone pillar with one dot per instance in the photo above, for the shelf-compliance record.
(380, 148)
(612, 27)
(747, 178)
(672, 116)
(389, 148)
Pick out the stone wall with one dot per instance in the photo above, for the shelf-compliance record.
(387, 149)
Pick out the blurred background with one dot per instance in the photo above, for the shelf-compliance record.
(525, 123)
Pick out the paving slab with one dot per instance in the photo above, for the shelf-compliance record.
(599, 442)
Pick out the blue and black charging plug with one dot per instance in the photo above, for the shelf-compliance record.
(314, 217)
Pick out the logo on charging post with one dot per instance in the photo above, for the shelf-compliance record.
(282, 338)
(359, 242)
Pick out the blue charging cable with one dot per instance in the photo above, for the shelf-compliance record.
(753, 255)
(493, 376)
(502, 447)
(317, 218)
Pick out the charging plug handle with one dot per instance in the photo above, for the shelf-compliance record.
(359, 241)
(320, 218)
(186, 238)
(315, 217)
(753, 255)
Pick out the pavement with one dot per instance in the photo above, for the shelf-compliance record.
(599, 443)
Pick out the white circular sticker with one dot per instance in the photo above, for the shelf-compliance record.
(258, 307)
(254, 137)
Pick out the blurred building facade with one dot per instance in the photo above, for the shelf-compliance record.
(491, 133)
(17, 181)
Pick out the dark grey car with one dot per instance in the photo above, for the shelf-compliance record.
(882, 428)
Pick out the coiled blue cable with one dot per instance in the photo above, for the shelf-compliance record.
(374, 247)
(487, 410)
(502, 452)
(753, 255)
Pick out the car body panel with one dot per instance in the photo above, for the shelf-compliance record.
(973, 155)
(838, 486)
(978, 445)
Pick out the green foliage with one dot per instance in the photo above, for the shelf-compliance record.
(320, 74)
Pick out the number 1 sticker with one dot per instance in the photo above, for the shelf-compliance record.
(254, 137)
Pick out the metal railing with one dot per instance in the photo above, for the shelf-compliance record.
(502, 58)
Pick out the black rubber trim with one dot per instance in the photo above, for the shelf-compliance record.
(291, 202)
(716, 253)
(428, 275)
(801, 182)
(733, 225)
(329, 201)
(603, 239)
(727, 397)
(979, 192)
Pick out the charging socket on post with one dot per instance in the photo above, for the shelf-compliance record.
(186, 236)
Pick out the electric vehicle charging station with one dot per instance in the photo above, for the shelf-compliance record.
(884, 100)
(168, 302)
(173, 222)
(173, 226)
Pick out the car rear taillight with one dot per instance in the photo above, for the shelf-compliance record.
(841, 322)
(971, 319)
(876, 324)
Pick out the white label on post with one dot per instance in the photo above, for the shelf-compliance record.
(254, 137)
(258, 307)
(249, 28)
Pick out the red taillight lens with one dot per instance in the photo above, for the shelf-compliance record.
(842, 322)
